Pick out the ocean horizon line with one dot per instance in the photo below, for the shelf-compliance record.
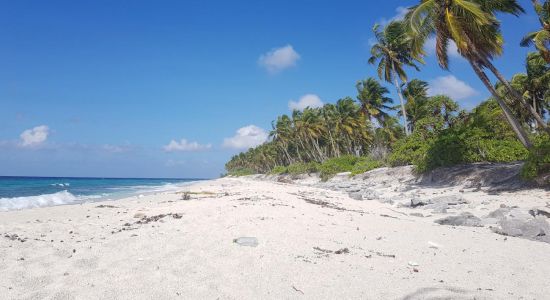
(103, 177)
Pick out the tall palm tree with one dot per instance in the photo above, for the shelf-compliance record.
(416, 93)
(372, 98)
(472, 25)
(392, 50)
(328, 113)
(538, 78)
(351, 126)
(282, 135)
(541, 37)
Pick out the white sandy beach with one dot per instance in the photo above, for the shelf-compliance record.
(313, 243)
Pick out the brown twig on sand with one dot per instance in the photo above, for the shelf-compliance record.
(297, 290)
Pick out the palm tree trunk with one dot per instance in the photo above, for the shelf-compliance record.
(517, 96)
(334, 150)
(535, 107)
(398, 88)
(516, 126)
(315, 143)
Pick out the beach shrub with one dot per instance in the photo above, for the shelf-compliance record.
(468, 146)
(409, 151)
(333, 166)
(481, 136)
(365, 164)
(347, 163)
(302, 168)
(537, 163)
(279, 170)
(241, 172)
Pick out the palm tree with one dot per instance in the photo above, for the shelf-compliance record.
(372, 98)
(416, 93)
(329, 117)
(392, 50)
(540, 38)
(520, 83)
(472, 25)
(282, 134)
(538, 81)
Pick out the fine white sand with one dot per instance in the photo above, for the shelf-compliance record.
(81, 251)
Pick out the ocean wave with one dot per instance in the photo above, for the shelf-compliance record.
(59, 198)
(61, 184)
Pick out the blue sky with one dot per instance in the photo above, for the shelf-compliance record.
(110, 88)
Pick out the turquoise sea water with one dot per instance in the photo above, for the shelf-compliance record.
(27, 192)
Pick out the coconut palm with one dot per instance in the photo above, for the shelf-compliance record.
(473, 27)
(372, 98)
(416, 93)
(540, 38)
(392, 50)
(282, 135)
(534, 86)
(538, 81)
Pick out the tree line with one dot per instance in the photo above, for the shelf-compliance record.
(366, 126)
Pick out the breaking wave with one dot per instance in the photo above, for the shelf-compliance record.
(59, 198)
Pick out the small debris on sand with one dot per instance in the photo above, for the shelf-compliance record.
(246, 241)
(106, 206)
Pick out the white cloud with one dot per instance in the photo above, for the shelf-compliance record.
(34, 137)
(246, 137)
(279, 59)
(452, 50)
(308, 100)
(400, 13)
(450, 86)
(185, 145)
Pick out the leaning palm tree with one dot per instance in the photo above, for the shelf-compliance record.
(540, 38)
(372, 98)
(392, 50)
(472, 25)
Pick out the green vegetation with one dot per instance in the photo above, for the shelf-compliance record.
(302, 168)
(357, 135)
(240, 172)
(482, 135)
(330, 167)
(541, 37)
(538, 161)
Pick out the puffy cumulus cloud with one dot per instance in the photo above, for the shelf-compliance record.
(450, 86)
(185, 146)
(34, 137)
(400, 13)
(308, 100)
(246, 137)
(452, 50)
(279, 59)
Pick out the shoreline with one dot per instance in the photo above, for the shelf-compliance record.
(67, 197)
(313, 241)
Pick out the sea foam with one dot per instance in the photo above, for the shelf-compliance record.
(59, 198)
